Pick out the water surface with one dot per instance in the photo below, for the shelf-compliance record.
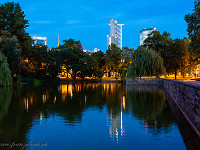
(87, 116)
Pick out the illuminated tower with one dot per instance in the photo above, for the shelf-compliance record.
(58, 41)
(115, 35)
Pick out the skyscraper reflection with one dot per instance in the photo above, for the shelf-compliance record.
(115, 123)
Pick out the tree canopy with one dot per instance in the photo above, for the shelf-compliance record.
(113, 57)
(74, 58)
(193, 22)
(100, 59)
(12, 19)
(176, 56)
(158, 41)
(126, 57)
(145, 62)
(10, 48)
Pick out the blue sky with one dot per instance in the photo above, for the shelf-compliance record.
(87, 20)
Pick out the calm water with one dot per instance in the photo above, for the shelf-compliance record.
(87, 116)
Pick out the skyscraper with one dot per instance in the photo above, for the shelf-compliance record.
(40, 40)
(144, 34)
(115, 35)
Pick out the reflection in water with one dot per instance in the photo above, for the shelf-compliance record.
(149, 105)
(44, 98)
(115, 124)
(26, 104)
(54, 101)
(69, 104)
(5, 99)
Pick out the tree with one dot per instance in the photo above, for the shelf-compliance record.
(98, 73)
(100, 59)
(71, 43)
(193, 22)
(9, 47)
(54, 63)
(113, 57)
(73, 57)
(12, 19)
(88, 66)
(158, 41)
(5, 73)
(176, 56)
(145, 62)
(126, 57)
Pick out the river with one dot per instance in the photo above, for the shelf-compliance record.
(87, 116)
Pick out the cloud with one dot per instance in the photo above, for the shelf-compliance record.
(73, 22)
(42, 22)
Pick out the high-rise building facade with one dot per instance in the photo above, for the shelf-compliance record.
(144, 34)
(40, 40)
(115, 35)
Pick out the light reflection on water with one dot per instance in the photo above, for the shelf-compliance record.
(89, 116)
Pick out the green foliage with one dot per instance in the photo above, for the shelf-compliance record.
(98, 73)
(145, 63)
(113, 55)
(193, 22)
(74, 58)
(100, 59)
(88, 66)
(5, 73)
(176, 56)
(72, 55)
(131, 72)
(18, 80)
(12, 19)
(126, 57)
(10, 49)
(124, 72)
(71, 43)
(158, 41)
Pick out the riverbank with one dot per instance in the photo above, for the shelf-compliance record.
(185, 94)
(89, 80)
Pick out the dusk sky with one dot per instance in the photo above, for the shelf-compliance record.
(88, 20)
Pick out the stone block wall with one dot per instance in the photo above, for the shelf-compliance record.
(143, 81)
(187, 96)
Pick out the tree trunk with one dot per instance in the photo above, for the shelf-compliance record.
(83, 77)
(107, 70)
(175, 74)
(74, 74)
(113, 71)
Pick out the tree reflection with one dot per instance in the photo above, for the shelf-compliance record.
(149, 105)
(5, 99)
(35, 104)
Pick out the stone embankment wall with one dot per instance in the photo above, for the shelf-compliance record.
(143, 81)
(186, 95)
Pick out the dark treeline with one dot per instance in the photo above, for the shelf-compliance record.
(23, 61)
(28, 63)
(161, 54)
